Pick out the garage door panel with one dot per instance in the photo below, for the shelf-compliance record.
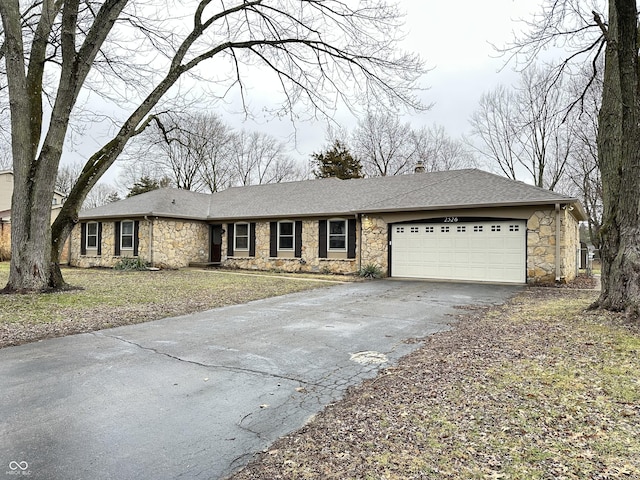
(478, 251)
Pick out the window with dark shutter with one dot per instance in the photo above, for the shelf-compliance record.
(99, 238)
(273, 239)
(298, 239)
(136, 238)
(116, 242)
(83, 238)
(351, 238)
(252, 239)
(230, 237)
(322, 239)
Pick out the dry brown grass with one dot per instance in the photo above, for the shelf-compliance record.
(108, 298)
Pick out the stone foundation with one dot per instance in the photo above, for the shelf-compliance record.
(308, 262)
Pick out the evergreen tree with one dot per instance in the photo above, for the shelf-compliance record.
(336, 162)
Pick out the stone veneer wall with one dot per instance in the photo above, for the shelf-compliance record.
(5, 241)
(375, 243)
(541, 246)
(309, 261)
(175, 244)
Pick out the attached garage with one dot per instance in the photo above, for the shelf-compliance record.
(467, 249)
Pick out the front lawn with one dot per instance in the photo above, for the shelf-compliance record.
(108, 298)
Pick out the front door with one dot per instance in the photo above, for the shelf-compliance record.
(215, 251)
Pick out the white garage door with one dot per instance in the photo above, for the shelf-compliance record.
(488, 250)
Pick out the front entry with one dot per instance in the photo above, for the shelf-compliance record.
(215, 250)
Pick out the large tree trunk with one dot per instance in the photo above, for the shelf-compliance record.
(619, 159)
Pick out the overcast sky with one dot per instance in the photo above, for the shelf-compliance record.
(453, 37)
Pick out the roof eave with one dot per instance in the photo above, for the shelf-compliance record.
(142, 215)
(565, 201)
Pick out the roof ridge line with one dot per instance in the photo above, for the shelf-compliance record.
(399, 195)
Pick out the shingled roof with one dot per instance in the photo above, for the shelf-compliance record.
(327, 197)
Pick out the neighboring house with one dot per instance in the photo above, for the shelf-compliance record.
(6, 192)
(466, 225)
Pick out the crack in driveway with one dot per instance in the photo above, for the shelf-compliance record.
(206, 365)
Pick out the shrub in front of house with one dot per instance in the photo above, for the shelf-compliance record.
(370, 270)
(127, 263)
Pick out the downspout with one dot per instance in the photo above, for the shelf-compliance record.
(558, 261)
(150, 220)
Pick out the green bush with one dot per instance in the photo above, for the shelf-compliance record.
(370, 270)
(127, 263)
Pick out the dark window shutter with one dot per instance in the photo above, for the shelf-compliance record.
(136, 237)
(273, 239)
(298, 239)
(116, 230)
(351, 238)
(252, 239)
(83, 238)
(99, 238)
(322, 239)
(230, 239)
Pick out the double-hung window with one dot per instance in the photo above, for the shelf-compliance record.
(285, 235)
(241, 236)
(126, 235)
(92, 235)
(337, 232)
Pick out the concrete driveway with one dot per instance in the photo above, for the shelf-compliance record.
(195, 397)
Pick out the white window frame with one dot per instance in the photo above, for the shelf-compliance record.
(123, 235)
(335, 235)
(92, 235)
(237, 237)
(292, 236)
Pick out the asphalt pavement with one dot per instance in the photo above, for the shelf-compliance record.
(196, 396)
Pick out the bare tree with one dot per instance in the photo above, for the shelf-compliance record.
(67, 177)
(100, 194)
(259, 158)
(525, 129)
(192, 149)
(383, 145)
(494, 123)
(317, 52)
(583, 164)
(589, 31)
(438, 151)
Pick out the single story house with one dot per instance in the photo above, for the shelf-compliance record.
(464, 225)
